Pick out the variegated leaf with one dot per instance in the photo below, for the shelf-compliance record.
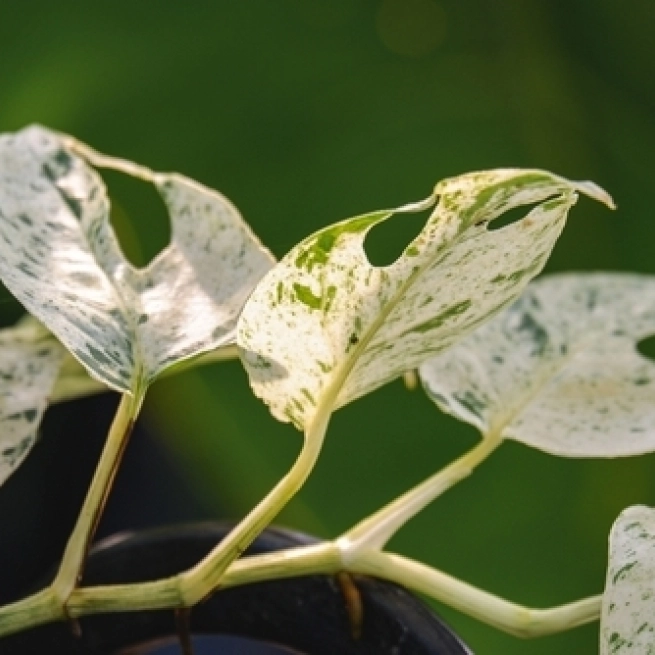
(627, 624)
(73, 380)
(559, 369)
(326, 324)
(59, 256)
(29, 365)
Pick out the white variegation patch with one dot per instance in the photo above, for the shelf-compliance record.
(59, 256)
(325, 323)
(29, 364)
(559, 369)
(627, 625)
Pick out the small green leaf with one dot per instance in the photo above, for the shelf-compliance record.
(29, 364)
(559, 369)
(326, 321)
(59, 256)
(627, 624)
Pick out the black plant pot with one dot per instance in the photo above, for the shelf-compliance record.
(304, 615)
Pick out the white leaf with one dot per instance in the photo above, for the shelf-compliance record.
(326, 324)
(559, 369)
(59, 256)
(627, 623)
(29, 365)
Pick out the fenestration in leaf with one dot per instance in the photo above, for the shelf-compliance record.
(29, 365)
(627, 624)
(326, 326)
(59, 256)
(559, 370)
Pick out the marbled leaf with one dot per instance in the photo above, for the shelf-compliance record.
(29, 365)
(73, 380)
(559, 370)
(325, 325)
(59, 256)
(627, 624)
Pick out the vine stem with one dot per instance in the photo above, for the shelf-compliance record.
(376, 530)
(195, 584)
(505, 615)
(61, 599)
(72, 563)
(326, 559)
(219, 566)
(199, 581)
(50, 603)
(357, 551)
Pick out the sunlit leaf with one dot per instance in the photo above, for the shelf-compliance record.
(559, 370)
(628, 612)
(29, 364)
(59, 256)
(327, 326)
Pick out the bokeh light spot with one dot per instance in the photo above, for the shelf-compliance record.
(327, 14)
(411, 28)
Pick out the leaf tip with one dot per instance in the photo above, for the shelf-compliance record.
(593, 190)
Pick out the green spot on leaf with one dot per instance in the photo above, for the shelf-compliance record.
(330, 295)
(326, 241)
(439, 320)
(622, 571)
(305, 296)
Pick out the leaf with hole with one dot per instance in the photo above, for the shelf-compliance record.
(29, 365)
(59, 256)
(627, 624)
(559, 369)
(326, 326)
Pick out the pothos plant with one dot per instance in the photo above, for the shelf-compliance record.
(551, 363)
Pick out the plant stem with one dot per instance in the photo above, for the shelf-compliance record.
(376, 530)
(322, 558)
(192, 586)
(502, 614)
(72, 563)
(42, 607)
(325, 558)
(202, 579)
(50, 604)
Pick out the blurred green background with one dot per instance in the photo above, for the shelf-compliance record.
(304, 112)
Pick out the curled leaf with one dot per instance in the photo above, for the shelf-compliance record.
(628, 610)
(559, 370)
(29, 365)
(327, 326)
(59, 256)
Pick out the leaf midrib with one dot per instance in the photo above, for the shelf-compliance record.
(332, 390)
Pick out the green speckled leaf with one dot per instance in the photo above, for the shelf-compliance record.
(627, 624)
(326, 324)
(59, 256)
(29, 365)
(559, 369)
